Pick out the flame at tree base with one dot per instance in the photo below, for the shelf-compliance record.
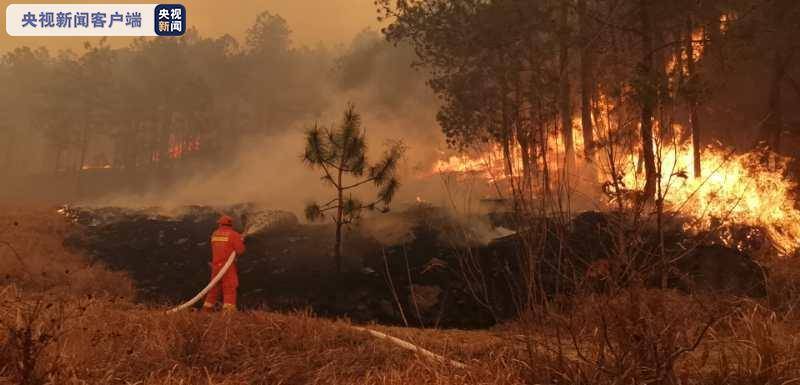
(734, 190)
(749, 189)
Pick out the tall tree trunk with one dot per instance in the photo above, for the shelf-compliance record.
(507, 140)
(648, 101)
(774, 123)
(59, 153)
(506, 135)
(84, 147)
(693, 118)
(337, 249)
(587, 85)
(543, 153)
(82, 160)
(522, 133)
(565, 104)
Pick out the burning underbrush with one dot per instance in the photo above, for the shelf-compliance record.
(738, 192)
(745, 200)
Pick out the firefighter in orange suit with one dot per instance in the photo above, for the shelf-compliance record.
(224, 240)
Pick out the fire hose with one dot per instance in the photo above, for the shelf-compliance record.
(409, 346)
(394, 340)
(211, 284)
(259, 224)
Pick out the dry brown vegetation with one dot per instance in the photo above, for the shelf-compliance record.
(33, 255)
(82, 328)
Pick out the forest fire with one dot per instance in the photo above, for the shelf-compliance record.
(749, 189)
(179, 148)
(738, 189)
(93, 167)
(484, 165)
(414, 191)
(491, 163)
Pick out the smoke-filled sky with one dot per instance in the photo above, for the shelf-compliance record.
(311, 21)
(393, 99)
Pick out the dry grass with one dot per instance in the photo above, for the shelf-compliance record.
(783, 286)
(80, 327)
(105, 342)
(33, 255)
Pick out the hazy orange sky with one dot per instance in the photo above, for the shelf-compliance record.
(311, 21)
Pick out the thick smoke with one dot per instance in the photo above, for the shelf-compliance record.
(248, 102)
(267, 168)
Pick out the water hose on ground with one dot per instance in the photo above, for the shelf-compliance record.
(394, 340)
(211, 284)
(409, 346)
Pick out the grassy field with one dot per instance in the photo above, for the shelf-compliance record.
(66, 321)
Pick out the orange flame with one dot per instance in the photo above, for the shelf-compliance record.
(179, 148)
(734, 188)
(697, 51)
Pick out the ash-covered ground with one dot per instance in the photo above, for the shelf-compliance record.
(440, 270)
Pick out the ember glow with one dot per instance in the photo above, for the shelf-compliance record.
(179, 148)
(698, 35)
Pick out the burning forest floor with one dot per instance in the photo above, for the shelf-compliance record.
(66, 320)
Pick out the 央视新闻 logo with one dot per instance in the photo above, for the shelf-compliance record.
(170, 19)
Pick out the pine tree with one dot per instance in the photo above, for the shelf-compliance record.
(341, 155)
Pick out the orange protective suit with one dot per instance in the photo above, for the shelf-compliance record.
(224, 240)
